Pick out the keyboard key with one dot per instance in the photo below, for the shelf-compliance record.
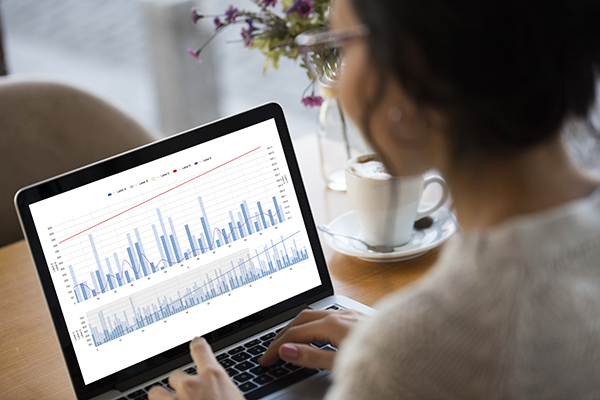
(318, 344)
(191, 370)
(238, 349)
(247, 386)
(252, 343)
(329, 348)
(267, 343)
(255, 359)
(278, 372)
(292, 367)
(135, 394)
(147, 388)
(142, 397)
(278, 363)
(232, 372)
(243, 377)
(260, 370)
(256, 350)
(333, 307)
(268, 336)
(243, 366)
(279, 330)
(226, 363)
(261, 380)
(281, 383)
(222, 356)
(241, 356)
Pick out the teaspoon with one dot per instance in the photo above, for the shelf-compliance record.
(374, 248)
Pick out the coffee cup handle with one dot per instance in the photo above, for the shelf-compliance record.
(445, 192)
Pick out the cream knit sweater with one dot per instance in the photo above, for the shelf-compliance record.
(510, 313)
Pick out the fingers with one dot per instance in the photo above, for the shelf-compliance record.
(160, 393)
(323, 326)
(203, 356)
(307, 356)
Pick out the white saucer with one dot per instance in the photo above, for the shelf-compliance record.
(421, 241)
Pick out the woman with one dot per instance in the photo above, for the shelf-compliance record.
(478, 90)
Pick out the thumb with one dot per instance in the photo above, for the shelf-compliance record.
(202, 354)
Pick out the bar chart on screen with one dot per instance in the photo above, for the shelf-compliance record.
(193, 288)
(192, 214)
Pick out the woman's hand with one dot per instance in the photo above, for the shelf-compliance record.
(326, 326)
(211, 383)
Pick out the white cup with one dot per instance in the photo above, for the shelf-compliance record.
(387, 207)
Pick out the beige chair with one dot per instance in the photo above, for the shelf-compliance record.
(47, 128)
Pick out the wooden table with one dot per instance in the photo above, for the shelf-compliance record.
(31, 364)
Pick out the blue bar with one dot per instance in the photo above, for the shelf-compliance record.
(209, 242)
(142, 263)
(242, 225)
(232, 232)
(162, 225)
(127, 276)
(99, 279)
(256, 225)
(134, 264)
(262, 215)
(84, 290)
(201, 243)
(158, 244)
(207, 231)
(281, 213)
(110, 284)
(162, 238)
(218, 243)
(74, 280)
(277, 208)
(176, 245)
(120, 279)
(142, 252)
(246, 220)
(271, 217)
(175, 249)
(240, 229)
(189, 235)
(224, 236)
(97, 260)
(135, 272)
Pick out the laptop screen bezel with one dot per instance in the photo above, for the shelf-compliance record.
(131, 159)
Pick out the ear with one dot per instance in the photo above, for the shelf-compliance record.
(409, 112)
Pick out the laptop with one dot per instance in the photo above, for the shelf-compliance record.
(205, 233)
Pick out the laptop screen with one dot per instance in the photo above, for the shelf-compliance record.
(147, 258)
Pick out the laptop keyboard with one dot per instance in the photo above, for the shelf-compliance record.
(253, 380)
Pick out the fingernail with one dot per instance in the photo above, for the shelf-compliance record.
(289, 352)
(192, 341)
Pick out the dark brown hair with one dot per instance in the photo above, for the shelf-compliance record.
(506, 73)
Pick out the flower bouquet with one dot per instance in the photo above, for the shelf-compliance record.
(272, 29)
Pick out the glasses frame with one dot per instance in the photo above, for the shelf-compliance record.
(319, 40)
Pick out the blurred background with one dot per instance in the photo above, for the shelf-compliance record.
(133, 52)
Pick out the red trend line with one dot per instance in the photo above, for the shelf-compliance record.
(158, 195)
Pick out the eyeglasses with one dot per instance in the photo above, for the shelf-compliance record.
(321, 53)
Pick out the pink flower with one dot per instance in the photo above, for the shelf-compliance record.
(305, 8)
(218, 24)
(194, 54)
(312, 101)
(247, 36)
(231, 14)
(195, 15)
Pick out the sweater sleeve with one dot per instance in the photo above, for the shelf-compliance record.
(413, 349)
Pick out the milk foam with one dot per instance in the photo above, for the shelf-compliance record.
(371, 170)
